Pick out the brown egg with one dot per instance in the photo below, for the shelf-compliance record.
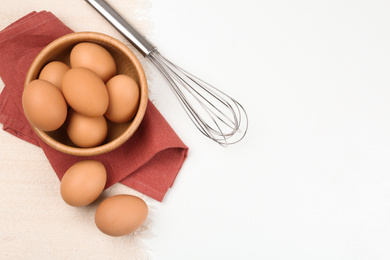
(83, 183)
(54, 72)
(86, 131)
(120, 215)
(123, 94)
(85, 92)
(44, 105)
(94, 57)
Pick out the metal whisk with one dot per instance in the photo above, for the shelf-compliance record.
(217, 115)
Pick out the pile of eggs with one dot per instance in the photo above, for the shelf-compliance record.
(84, 95)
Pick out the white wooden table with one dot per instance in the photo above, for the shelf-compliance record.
(309, 181)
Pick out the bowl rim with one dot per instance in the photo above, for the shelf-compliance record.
(107, 147)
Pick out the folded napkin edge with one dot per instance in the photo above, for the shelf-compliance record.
(43, 17)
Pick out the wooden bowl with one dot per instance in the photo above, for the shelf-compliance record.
(127, 63)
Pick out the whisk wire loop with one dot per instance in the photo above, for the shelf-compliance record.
(221, 116)
(188, 109)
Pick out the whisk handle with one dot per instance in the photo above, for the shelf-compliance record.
(128, 31)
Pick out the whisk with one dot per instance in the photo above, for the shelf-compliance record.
(217, 115)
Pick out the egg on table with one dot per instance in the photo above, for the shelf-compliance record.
(83, 183)
(121, 215)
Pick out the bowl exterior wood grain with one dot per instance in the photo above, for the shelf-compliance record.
(127, 63)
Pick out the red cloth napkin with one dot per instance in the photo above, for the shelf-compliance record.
(148, 162)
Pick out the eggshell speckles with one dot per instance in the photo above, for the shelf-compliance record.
(83, 183)
(123, 93)
(86, 131)
(94, 57)
(44, 105)
(85, 92)
(120, 215)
